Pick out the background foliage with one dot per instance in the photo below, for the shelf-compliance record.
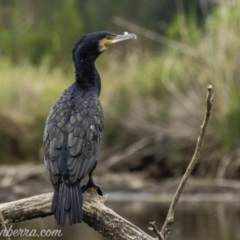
(149, 90)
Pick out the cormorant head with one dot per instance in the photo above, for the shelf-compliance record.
(91, 45)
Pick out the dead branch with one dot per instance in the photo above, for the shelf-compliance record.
(165, 231)
(123, 155)
(185, 49)
(13, 175)
(96, 215)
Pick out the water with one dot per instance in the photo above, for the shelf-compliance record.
(193, 221)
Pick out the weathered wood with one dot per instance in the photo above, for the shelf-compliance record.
(27, 208)
(96, 215)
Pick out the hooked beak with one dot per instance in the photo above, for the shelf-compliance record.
(119, 38)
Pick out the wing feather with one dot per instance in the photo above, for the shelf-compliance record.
(72, 136)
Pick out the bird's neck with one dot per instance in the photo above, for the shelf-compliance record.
(87, 75)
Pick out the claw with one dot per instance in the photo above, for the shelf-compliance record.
(91, 184)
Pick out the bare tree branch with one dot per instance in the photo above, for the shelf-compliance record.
(165, 231)
(123, 155)
(96, 215)
(192, 52)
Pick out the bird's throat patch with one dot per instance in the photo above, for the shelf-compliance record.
(104, 44)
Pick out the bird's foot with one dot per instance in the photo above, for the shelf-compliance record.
(91, 184)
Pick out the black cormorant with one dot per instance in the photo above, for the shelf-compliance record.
(74, 129)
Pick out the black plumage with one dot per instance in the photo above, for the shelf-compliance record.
(74, 129)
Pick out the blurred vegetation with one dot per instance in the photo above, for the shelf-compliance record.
(156, 94)
(34, 32)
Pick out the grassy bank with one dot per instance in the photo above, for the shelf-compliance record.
(157, 95)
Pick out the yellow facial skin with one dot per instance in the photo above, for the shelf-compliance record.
(104, 44)
(107, 43)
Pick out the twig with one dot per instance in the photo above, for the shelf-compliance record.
(8, 177)
(129, 151)
(160, 39)
(95, 213)
(13, 177)
(155, 230)
(165, 231)
(3, 224)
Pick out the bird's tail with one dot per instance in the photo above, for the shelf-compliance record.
(67, 201)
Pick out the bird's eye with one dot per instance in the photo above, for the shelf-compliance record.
(108, 37)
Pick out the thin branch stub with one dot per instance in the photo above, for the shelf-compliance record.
(166, 228)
